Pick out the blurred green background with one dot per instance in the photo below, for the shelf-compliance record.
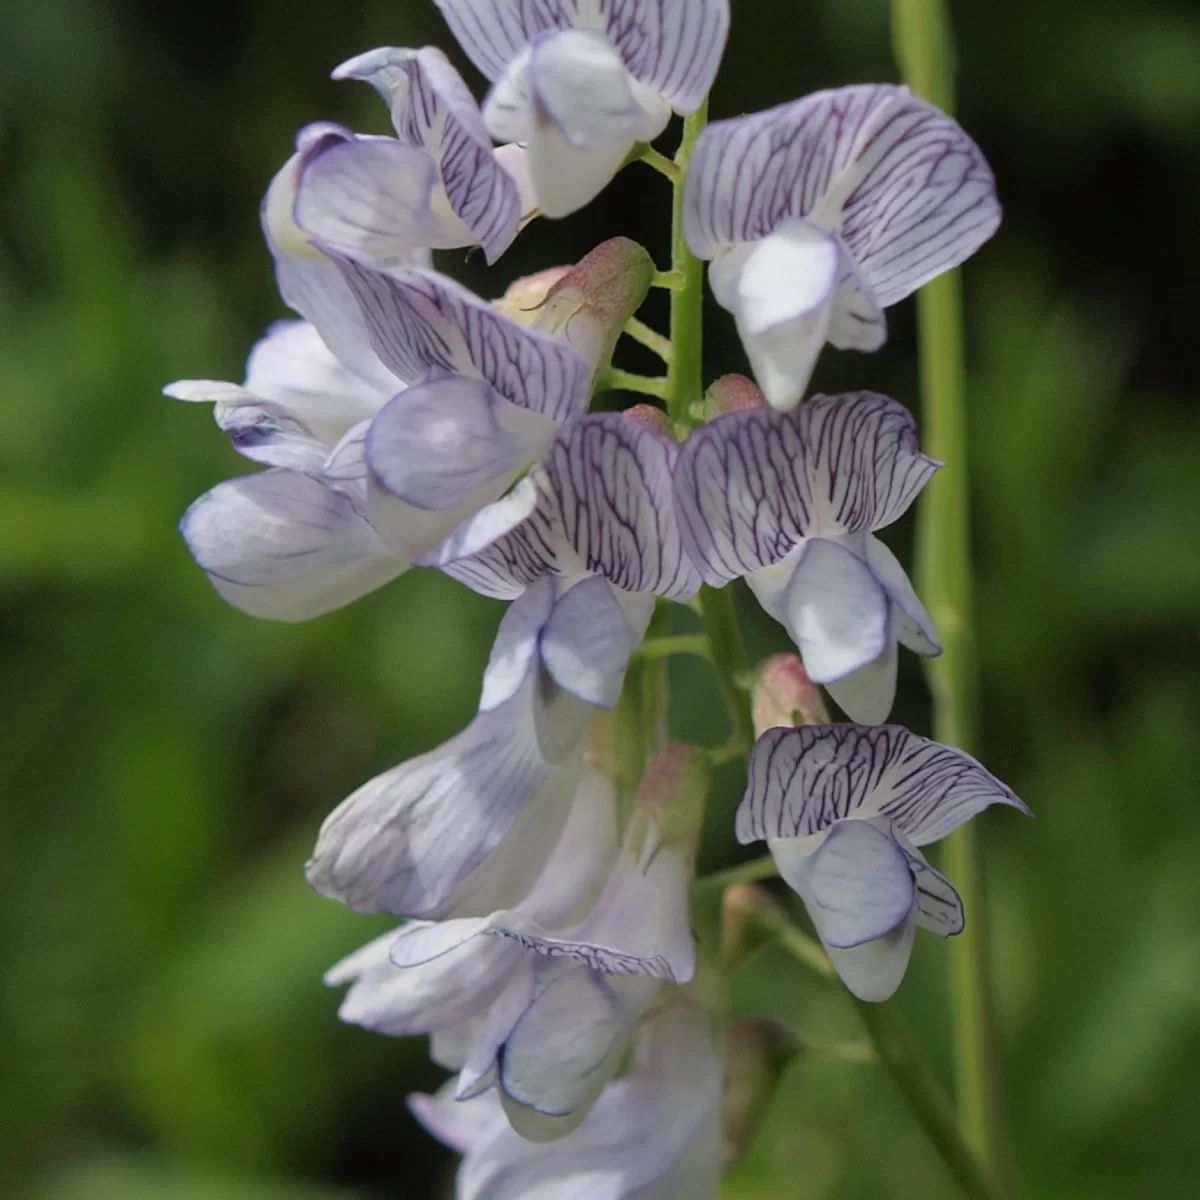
(166, 760)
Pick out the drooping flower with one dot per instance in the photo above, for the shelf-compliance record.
(791, 501)
(843, 809)
(579, 82)
(819, 214)
(550, 990)
(298, 539)
(654, 1134)
(439, 184)
(465, 829)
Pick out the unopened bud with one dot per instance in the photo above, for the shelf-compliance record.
(783, 694)
(586, 305)
(729, 394)
(756, 1053)
(647, 414)
(748, 913)
(673, 792)
(524, 298)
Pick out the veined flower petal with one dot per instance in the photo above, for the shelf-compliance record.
(804, 779)
(914, 624)
(604, 505)
(672, 46)
(432, 108)
(907, 190)
(283, 545)
(750, 485)
(866, 694)
(420, 321)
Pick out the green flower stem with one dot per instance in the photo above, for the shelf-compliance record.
(684, 377)
(754, 871)
(924, 49)
(650, 338)
(671, 280)
(660, 162)
(614, 379)
(898, 1051)
(679, 643)
(729, 657)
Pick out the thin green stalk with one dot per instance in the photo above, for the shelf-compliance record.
(898, 1051)
(753, 871)
(660, 162)
(650, 338)
(924, 48)
(729, 657)
(684, 375)
(678, 643)
(614, 379)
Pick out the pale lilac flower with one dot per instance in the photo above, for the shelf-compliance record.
(297, 540)
(579, 82)
(819, 214)
(465, 829)
(844, 809)
(654, 1134)
(791, 501)
(549, 991)
(439, 184)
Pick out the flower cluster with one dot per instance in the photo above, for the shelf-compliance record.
(548, 949)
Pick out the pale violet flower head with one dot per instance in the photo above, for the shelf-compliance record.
(579, 82)
(438, 184)
(819, 214)
(654, 1134)
(844, 809)
(791, 502)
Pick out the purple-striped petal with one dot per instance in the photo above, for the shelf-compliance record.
(804, 779)
(420, 321)
(909, 193)
(672, 46)
(604, 506)
(432, 108)
(751, 484)
(283, 545)
(640, 925)
(939, 906)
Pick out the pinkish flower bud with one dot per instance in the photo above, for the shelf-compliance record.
(673, 792)
(525, 296)
(587, 305)
(756, 1053)
(729, 394)
(648, 415)
(783, 694)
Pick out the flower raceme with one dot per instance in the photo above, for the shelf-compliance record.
(404, 422)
